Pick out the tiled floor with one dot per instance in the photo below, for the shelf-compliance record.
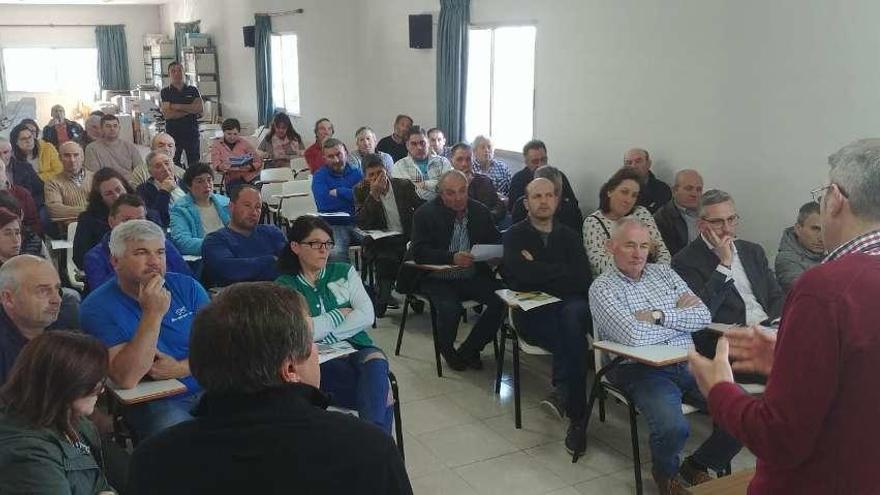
(460, 437)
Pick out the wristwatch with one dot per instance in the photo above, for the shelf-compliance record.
(658, 316)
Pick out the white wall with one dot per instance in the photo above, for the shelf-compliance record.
(755, 94)
(138, 20)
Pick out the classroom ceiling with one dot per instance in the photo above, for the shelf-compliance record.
(82, 2)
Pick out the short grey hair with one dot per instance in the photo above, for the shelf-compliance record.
(10, 272)
(480, 140)
(133, 230)
(855, 169)
(552, 174)
(628, 221)
(680, 173)
(93, 118)
(148, 160)
(713, 197)
(446, 175)
(363, 130)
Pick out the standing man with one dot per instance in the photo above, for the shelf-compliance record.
(815, 429)
(395, 144)
(542, 254)
(654, 192)
(110, 151)
(801, 246)
(67, 193)
(182, 106)
(677, 219)
(60, 130)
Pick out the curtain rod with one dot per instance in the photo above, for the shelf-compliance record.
(282, 12)
(51, 25)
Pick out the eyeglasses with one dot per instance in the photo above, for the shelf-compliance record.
(819, 192)
(733, 221)
(319, 245)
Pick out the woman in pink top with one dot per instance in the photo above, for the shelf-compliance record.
(235, 156)
(282, 143)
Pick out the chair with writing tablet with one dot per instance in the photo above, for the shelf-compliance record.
(146, 391)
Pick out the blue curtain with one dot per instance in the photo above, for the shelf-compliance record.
(180, 30)
(263, 59)
(112, 57)
(452, 60)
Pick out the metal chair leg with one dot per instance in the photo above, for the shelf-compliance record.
(434, 334)
(406, 303)
(398, 419)
(634, 433)
(499, 359)
(602, 398)
(517, 413)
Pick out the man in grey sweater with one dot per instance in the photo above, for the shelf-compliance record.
(801, 246)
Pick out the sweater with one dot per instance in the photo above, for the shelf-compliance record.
(277, 440)
(388, 145)
(120, 155)
(65, 199)
(141, 174)
(159, 200)
(815, 429)
(793, 259)
(98, 269)
(220, 154)
(344, 182)
(338, 286)
(231, 257)
(559, 267)
(186, 223)
(91, 227)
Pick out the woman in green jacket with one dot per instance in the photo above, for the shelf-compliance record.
(47, 446)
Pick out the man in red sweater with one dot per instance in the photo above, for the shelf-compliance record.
(815, 430)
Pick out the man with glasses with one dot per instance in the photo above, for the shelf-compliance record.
(730, 275)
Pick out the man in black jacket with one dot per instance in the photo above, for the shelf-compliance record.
(261, 426)
(654, 192)
(677, 219)
(730, 275)
(568, 212)
(444, 231)
(535, 157)
(541, 254)
(387, 204)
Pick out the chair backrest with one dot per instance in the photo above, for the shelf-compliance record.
(291, 208)
(282, 174)
(70, 265)
(270, 189)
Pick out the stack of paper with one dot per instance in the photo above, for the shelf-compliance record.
(526, 301)
(148, 390)
(377, 234)
(326, 352)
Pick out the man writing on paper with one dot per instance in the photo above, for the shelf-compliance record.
(384, 204)
(542, 254)
(444, 230)
(815, 429)
(143, 315)
(636, 303)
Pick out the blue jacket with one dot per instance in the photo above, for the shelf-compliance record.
(186, 223)
(325, 180)
(231, 257)
(99, 270)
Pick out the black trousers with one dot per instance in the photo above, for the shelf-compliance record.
(446, 297)
(186, 143)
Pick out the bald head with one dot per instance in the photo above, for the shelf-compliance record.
(71, 157)
(639, 160)
(541, 200)
(687, 189)
(30, 292)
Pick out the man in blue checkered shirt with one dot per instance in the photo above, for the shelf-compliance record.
(638, 303)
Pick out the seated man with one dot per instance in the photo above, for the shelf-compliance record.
(261, 426)
(568, 212)
(535, 156)
(730, 275)
(638, 303)
(444, 231)
(110, 151)
(244, 250)
(97, 266)
(677, 219)
(93, 129)
(161, 142)
(30, 301)
(437, 143)
(542, 254)
(485, 163)
(60, 130)
(333, 187)
(314, 154)
(67, 193)
(365, 139)
(654, 193)
(480, 187)
(801, 246)
(162, 189)
(384, 204)
(395, 143)
(147, 330)
(419, 167)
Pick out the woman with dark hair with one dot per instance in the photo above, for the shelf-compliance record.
(198, 213)
(617, 199)
(235, 157)
(281, 143)
(48, 161)
(24, 162)
(47, 444)
(341, 310)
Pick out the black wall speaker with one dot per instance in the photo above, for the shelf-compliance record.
(248, 32)
(421, 33)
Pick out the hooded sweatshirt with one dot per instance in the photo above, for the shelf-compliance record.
(793, 259)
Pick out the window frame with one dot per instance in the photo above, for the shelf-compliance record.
(283, 105)
(492, 26)
(4, 83)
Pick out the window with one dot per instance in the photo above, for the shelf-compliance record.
(501, 85)
(285, 72)
(72, 71)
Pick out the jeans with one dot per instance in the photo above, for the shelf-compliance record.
(188, 144)
(342, 237)
(657, 393)
(153, 417)
(358, 382)
(446, 297)
(561, 328)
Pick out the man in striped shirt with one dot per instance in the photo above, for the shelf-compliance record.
(637, 303)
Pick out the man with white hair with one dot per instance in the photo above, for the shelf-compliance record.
(163, 188)
(147, 331)
(638, 303)
(93, 129)
(485, 163)
(815, 429)
(30, 301)
(162, 142)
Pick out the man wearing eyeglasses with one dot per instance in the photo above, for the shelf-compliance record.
(730, 275)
